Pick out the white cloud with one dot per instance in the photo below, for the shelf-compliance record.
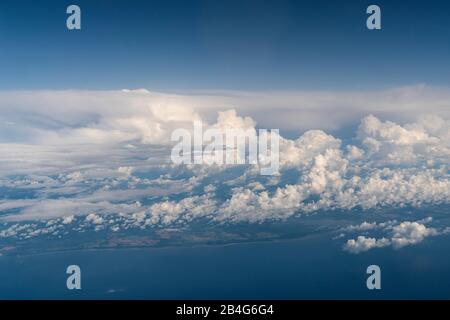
(113, 116)
(68, 219)
(399, 235)
(362, 244)
(105, 150)
(363, 226)
(334, 178)
(94, 218)
(409, 233)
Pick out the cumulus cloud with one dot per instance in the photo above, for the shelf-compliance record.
(363, 226)
(328, 178)
(105, 155)
(413, 142)
(409, 233)
(363, 243)
(399, 235)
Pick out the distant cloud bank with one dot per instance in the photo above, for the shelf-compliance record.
(73, 159)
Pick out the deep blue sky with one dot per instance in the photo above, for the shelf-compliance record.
(218, 44)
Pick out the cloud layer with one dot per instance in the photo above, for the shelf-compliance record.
(102, 159)
(111, 116)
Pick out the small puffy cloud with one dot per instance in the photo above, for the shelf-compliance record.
(354, 152)
(230, 120)
(398, 235)
(68, 219)
(363, 226)
(210, 188)
(409, 233)
(125, 170)
(362, 244)
(94, 218)
(187, 209)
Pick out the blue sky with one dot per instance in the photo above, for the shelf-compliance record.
(244, 45)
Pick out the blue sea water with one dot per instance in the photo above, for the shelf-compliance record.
(312, 267)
